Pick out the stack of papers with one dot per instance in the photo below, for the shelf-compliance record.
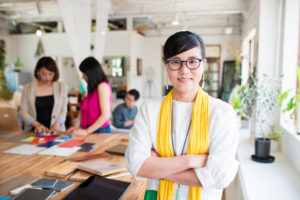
(59, 151)
(25, 149)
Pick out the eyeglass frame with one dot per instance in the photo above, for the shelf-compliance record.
(182, 61)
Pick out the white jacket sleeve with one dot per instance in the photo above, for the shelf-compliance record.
(140, 144)
(221, 166)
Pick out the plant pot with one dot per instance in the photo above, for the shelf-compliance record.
(262, 148)
(262, 151)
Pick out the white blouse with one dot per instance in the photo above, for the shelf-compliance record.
(221, 166)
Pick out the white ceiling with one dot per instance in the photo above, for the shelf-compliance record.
(154, 17)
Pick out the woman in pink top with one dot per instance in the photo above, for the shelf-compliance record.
(95, 108)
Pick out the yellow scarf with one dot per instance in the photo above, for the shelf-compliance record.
(198, 142)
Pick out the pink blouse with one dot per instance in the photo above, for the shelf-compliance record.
(90, 108)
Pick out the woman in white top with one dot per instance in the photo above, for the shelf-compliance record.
(185, 144)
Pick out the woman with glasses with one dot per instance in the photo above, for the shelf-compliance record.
(186, 143)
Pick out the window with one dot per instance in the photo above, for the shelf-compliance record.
(117, 69)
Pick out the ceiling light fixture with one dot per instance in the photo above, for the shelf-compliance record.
(175, 22)
(228, 30)
(38, 33)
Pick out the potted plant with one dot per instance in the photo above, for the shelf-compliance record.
(248, 95)
(258, 100)
(18, 65)
(293, 103)
(268, 93)
(235, 100)
(5, 93)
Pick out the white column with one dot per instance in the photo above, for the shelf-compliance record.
(269, 35)
(76, 15)
(129, 24)
(103, 8)
(290, 37)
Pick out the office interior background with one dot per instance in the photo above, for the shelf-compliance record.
(245, 40)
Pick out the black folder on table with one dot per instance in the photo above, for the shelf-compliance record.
(34, 194)
(98, 188)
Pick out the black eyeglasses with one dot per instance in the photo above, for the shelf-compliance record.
(191, 64)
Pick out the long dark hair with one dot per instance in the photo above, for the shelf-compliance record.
(182, 41)
(92, 68)
(49, 64)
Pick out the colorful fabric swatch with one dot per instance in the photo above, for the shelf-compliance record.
(72, 143)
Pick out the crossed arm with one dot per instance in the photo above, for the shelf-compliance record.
(178, 169)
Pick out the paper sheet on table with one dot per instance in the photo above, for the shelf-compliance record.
(24, 149)
(59, 151)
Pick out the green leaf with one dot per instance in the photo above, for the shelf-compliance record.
(283, 96)
(291, 104)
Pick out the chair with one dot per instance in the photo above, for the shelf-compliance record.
(73, 111)
(9, 122)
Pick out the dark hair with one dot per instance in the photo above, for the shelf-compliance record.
(135, 93)
(92, 68)
(49, 64)
(182, 41)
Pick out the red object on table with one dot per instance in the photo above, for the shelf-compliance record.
(71, 143)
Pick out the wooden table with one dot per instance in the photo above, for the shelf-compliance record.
(36, 165)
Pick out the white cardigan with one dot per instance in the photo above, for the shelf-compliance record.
(221, 166)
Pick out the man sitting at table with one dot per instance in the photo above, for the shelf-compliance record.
(124, 114)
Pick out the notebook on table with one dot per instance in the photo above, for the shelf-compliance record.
(101, 167)
(35, 194)
(87, 147)
(98, 188)
(45, 183)
(62, 185)
(54, 184)
(118, 149)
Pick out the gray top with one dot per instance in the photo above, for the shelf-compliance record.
(122, 114)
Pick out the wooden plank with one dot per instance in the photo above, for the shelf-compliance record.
(88, 157)
(79, 176)
(15, 182)
(62, 170)
(11, 164)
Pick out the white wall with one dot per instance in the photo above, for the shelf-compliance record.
(118, 43)
(153, 58)
(251, 18)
